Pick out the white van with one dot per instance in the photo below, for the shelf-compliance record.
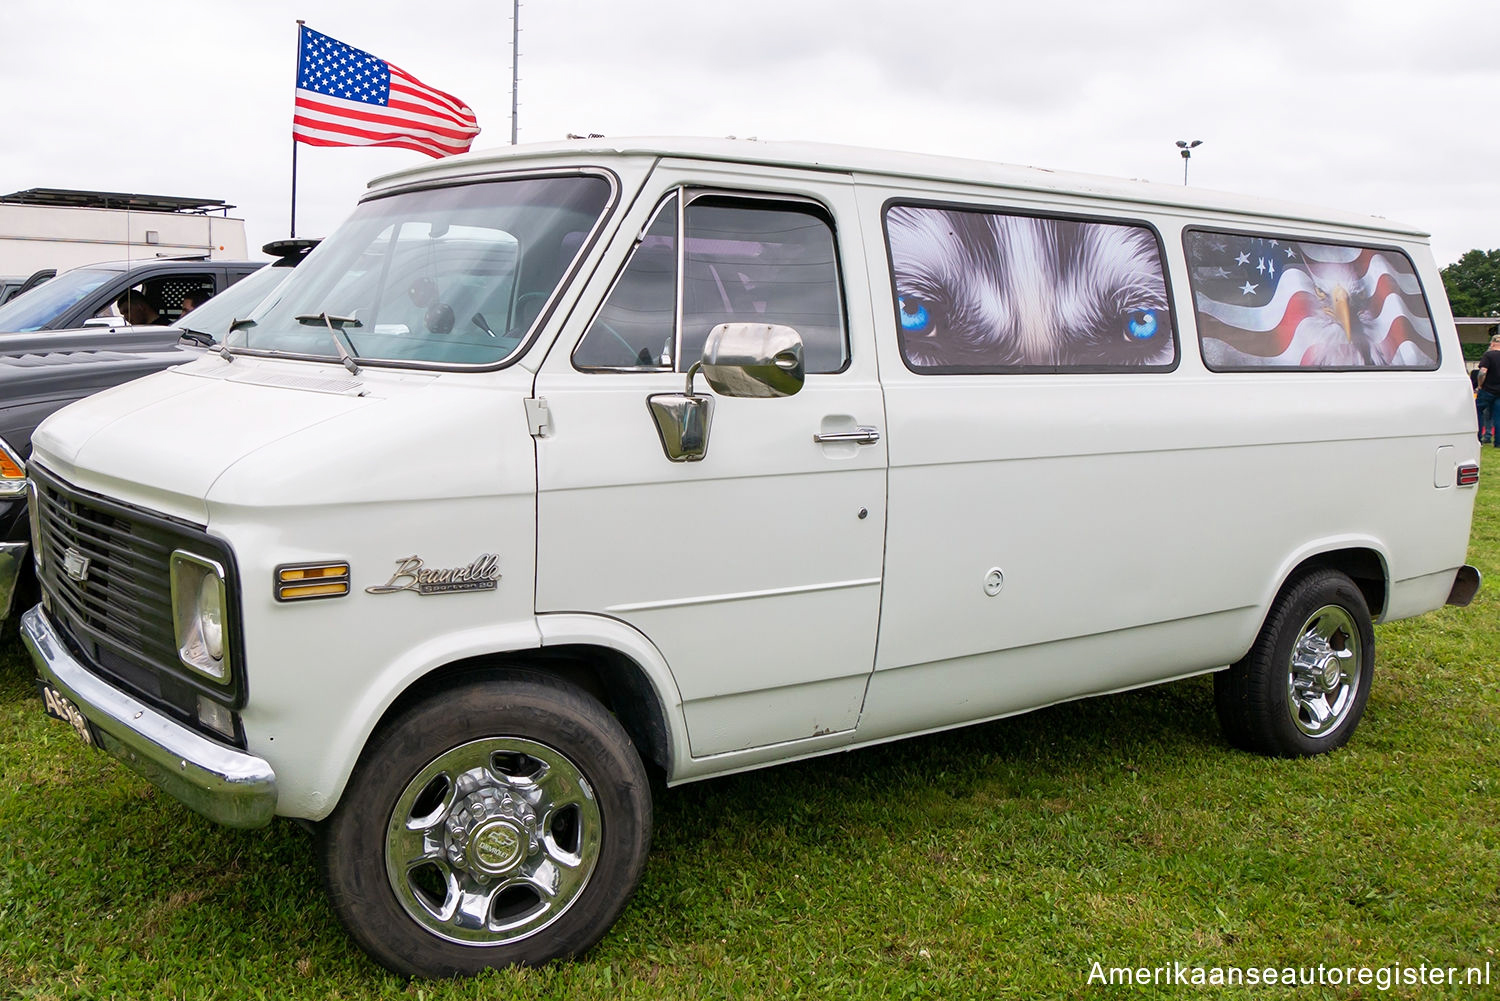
(564, 467)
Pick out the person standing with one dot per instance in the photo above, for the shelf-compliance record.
(1488, 396)
(1486, 430)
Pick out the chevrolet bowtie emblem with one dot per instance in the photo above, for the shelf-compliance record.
(76, 565)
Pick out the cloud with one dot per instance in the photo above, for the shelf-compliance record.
(1373, 106)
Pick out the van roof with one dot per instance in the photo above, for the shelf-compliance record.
(891, 163)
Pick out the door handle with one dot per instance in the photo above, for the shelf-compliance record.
(861, 435)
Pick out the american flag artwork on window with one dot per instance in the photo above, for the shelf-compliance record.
(1263, 302)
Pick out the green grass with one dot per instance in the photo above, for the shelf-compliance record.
(999, 861)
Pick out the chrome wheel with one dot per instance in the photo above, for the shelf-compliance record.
(1326, 671)
(493, 841)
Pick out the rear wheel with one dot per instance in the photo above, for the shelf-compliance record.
(500, 823)
(1303, 686)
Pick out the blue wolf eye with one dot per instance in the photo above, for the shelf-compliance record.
(1141, 324)
(914, 316)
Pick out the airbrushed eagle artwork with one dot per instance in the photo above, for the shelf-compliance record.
(1265, 302)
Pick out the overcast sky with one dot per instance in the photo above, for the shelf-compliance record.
(1376, 106)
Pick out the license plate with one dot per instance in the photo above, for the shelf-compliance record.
(59, 706)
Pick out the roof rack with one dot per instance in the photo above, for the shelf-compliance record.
(73, 198)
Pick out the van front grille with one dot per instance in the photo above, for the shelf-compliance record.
(105, 575)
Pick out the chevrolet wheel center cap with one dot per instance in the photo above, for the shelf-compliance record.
(497, 847)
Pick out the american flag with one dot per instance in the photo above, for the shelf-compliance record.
(347, 97)
(1264, 302)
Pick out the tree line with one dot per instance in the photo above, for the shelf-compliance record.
(1473, 284)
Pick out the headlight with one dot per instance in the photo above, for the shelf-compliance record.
(12, 472)
(199, 605)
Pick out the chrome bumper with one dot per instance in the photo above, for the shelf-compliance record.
(225, 785)
(12, 560)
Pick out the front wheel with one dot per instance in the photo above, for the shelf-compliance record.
(1303, 686)
(503, 822)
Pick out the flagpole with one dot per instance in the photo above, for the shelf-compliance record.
(515, 67)
(293, 232)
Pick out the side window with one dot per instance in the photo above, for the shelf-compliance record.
(982, 291)
(752, 261)
(1268, 303)
(180, 294)
(745, 260)
(634, 329)
(158, 301)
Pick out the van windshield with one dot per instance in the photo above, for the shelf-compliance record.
(452, 275)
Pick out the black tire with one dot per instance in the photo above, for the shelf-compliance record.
(524, 780)
(1302, 688)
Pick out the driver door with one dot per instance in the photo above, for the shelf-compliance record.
(756, 571)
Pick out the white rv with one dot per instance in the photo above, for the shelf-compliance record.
(563, 466)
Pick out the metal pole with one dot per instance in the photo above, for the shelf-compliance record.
(515, 65)
(1186, 149)
(293, 229)
(292, 232)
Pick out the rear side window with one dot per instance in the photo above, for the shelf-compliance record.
(1265, 302)
(984, 291)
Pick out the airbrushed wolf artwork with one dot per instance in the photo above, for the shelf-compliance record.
(988, 292)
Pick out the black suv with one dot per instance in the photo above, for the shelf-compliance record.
(85, 297)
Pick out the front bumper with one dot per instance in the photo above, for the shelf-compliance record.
(12, 562)
(223, 784)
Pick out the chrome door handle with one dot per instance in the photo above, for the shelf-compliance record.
(860, 436)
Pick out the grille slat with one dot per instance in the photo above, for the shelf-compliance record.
(105, 616)
(102, 536)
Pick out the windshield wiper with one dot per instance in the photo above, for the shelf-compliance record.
(341, 340)
(199, 337)
(222, 347)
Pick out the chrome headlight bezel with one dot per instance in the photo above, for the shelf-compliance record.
(34, 516)
(198, 585)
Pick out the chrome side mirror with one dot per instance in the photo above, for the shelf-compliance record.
(682, 421)
(748, 360)
(755, 360)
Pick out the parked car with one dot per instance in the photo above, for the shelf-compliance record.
(563, 466)
(43, 372)
(85, 297)
(19, 284)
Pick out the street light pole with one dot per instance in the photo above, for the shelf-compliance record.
(1186, 149)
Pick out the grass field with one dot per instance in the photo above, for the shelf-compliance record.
(1000, 861)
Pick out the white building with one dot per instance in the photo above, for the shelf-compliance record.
(60, 228)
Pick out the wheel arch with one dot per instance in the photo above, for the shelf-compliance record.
(1360, 558)
(606, 674)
